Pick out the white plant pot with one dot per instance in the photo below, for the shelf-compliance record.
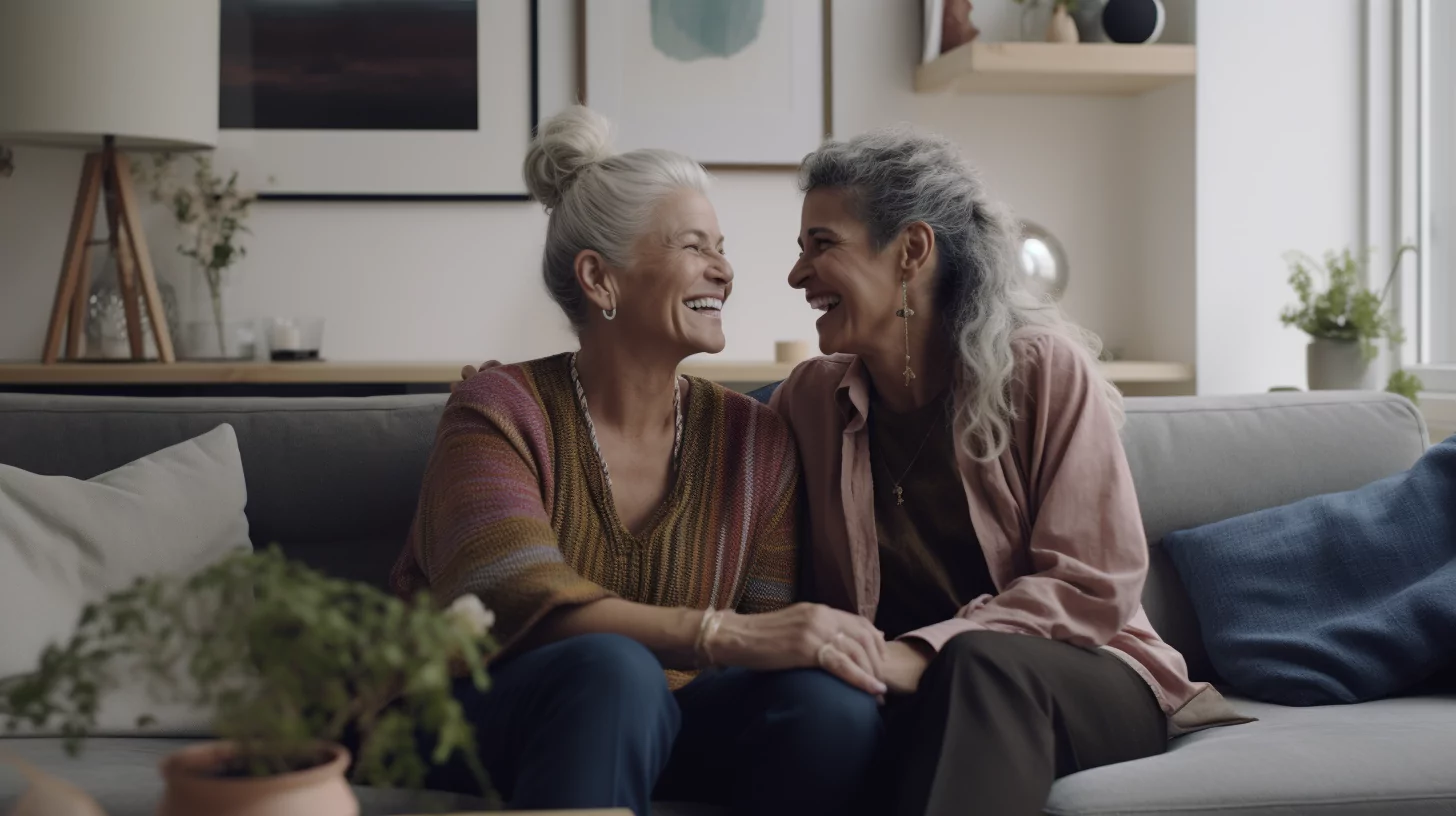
(1337, 365)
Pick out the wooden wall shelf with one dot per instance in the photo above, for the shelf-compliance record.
(1121, 371)
(435, 373)
(1107, 69)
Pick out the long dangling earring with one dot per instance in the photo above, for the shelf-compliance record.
(905, 313)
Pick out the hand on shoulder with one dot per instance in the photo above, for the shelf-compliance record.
(470, 371)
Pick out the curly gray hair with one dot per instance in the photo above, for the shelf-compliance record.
(898, 176)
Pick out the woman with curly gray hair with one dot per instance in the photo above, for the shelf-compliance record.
(967, 490)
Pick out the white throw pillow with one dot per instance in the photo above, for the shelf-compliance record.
(65, 543)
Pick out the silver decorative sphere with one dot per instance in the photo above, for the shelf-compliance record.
(1043, 261)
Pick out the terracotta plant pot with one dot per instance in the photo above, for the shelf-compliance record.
(191, 787)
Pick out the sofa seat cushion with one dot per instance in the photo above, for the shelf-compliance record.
(1395, 756)
(121, 774)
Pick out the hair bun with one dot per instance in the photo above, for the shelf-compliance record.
(565, 144)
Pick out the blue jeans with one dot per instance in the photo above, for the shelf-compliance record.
(589, 722)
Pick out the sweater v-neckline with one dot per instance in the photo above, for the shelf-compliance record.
(602, 492)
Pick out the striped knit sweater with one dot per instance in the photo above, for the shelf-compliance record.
(514, 507)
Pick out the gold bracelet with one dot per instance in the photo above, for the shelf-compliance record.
(710, 633)
(698, 641)
(707, 627)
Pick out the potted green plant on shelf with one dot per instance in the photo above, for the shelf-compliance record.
(212, 213)
(288, 663)
(1345, 320)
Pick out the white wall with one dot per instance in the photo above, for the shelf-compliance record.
(1163, 183)
(35, 212)
(461, 281)
(1279, 164)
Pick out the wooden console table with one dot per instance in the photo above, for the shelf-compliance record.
(365, 379)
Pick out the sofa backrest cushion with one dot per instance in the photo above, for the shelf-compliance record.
(335, 481)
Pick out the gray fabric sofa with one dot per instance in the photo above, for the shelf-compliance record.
(334, 481)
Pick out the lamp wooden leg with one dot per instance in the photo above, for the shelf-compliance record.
(83, 219)
(126, 278)
(131, 224)
(121, 249)
(75, 330)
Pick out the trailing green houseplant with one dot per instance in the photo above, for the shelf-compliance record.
(1406, 384)
(1345, 309)
(212, 212)
(285, 659)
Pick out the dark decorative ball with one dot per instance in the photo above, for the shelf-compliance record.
(1133, 21)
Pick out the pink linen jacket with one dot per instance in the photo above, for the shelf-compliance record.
(1056, 515)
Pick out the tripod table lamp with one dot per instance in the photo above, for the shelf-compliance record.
(108, 77)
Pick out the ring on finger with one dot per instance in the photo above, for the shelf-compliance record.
(824, 650)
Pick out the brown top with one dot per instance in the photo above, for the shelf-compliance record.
(930, 562)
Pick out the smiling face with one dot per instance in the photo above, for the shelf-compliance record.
(857, 288)
(673, 293)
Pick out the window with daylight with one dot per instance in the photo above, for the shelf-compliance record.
(1436, 340)
(1410, 139)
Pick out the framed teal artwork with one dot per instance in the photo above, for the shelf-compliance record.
(731, 83)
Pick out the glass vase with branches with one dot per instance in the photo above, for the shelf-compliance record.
(211, 210)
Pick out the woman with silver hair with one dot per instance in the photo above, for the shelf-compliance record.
(967, 491)
(636, 531)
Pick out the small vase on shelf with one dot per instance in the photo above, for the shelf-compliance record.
(1088, 16)
(210, 335)
(206, 340)
(1062, 28)
(956, 26)
(106, 333)
(1034, 20)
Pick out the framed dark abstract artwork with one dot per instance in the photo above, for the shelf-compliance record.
(378, 99)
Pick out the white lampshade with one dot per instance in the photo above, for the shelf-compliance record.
(143, 71)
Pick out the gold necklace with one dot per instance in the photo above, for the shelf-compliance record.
(591, 429)
(898, 489)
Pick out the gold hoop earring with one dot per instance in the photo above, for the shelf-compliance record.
(905, 313)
